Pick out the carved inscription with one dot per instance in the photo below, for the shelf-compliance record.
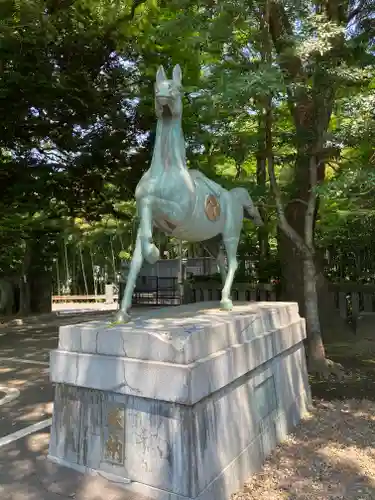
(115, 418)
(113, 451)
(212, 208)
(114, 435)
(72, 422)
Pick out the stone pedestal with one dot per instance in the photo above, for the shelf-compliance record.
(182, 403)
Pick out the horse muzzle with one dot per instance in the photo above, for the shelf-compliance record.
(165, 104)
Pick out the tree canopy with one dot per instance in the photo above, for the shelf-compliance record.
(278, 97)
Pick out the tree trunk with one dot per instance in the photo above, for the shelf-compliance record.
(292, 285)
(264, 250)
(310, 101)
(292, 267)
(6, 297)
(265, 150)
(316, 355)
(23, 283)
(316, 349)
(39, 273)
(263, 234)
(40, 284)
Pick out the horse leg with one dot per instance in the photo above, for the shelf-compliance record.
(222, 265)
(231, 244)
(231, 237)
(214, 248)
(122, 315)
(149, 250)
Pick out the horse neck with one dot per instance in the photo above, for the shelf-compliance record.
(169, 150)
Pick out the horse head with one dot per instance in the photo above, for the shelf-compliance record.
(168, 102)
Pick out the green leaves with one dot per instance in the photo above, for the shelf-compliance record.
(318, 36)
(68, 122)
(76, 101)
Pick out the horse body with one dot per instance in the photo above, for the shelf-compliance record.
(181, 202)
(196, 226)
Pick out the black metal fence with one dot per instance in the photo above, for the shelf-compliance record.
(155, 291)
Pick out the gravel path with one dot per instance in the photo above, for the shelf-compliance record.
(331, 456)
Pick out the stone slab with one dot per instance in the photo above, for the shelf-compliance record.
(180, 383)
(180, 334)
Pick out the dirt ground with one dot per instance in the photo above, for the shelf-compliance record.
(331, 455)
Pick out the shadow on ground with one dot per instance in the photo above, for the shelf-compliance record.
(26, 474)
(33, 398)
(28, 343)
(357, 356)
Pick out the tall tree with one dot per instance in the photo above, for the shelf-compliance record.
(315, 55)
(69, 130)
(314, 51)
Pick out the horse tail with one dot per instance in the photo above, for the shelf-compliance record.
(242, 196)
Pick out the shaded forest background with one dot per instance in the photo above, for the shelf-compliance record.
(279, 97)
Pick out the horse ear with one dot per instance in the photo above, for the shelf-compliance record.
(160, 75)
(177, 74)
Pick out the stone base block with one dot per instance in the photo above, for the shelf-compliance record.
(182, 403)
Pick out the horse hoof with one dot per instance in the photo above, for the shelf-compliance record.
(122, 317)
(153, 255)
(226, 305)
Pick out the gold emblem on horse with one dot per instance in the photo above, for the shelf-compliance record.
(212, 208)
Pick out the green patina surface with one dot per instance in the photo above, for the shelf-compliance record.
(182, 202)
